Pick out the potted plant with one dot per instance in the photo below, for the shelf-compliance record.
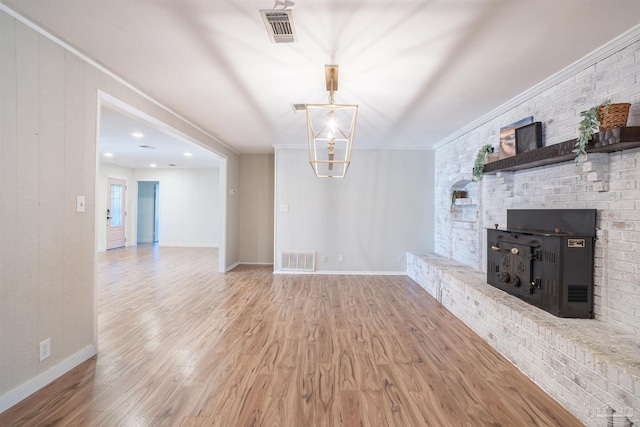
(457, 194)
(481, 159)
(589, 125)
(601, 117)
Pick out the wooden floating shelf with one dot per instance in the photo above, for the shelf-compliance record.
(608, 141)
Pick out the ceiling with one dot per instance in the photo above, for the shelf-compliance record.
(419, 70)
(133, 143)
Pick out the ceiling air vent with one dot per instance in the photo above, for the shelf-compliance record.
(279, 24)
(299, 107)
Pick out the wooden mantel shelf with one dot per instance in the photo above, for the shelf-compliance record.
(608, 141)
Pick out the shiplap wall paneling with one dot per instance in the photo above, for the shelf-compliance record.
(25, 356)
(51, 198)
(77, 268)
(8, 191)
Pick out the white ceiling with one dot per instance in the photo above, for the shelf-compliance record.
(420, 70)
(154, 147)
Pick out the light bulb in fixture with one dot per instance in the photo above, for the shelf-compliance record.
(153, 165)
(188, 154)
(330, 129)
(332, 124)
(108, 154)
(137, 134)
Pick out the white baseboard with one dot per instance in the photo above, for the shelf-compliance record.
(232, 266)
(346, 273)
(254, 263)
(35, 384)
(188, 245)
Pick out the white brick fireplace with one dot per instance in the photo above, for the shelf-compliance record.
(609, 183)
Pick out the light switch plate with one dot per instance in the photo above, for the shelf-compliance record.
(80, 204)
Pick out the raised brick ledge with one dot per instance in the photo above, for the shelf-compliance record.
(587, 365)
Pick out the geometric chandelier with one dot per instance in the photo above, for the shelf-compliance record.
(331, 128)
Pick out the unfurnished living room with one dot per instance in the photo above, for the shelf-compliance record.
(320, 213)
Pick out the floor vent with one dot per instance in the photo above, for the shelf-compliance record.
(298, 261)
(279, 25)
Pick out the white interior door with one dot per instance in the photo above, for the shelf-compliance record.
(116, 212)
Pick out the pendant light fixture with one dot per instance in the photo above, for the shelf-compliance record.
(331, 128)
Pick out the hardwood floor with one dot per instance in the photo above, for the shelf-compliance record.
(183, 345)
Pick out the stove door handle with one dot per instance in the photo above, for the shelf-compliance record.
(495, 248)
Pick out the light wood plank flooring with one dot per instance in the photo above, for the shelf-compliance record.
(183, 345)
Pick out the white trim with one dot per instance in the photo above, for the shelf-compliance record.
(345, 273)
(188, 245)
(606, 50)
(254, 263)
(34, 384)
(232, 266)
(222, 187)
(105, 70)
(96, 189)
(275, 210)
(358, 147)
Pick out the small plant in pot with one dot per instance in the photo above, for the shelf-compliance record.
(601, 117)
(481, 159)
(457, 194)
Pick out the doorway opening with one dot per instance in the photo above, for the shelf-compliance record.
(116, 213)
(193, 177)
(148, 211)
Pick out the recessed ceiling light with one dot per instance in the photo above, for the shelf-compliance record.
(108, 154)
(148, 147)
(137, 135)
(188, 154)
(153, 165)
(172, 165)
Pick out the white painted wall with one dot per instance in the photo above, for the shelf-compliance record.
(379, 211)
(189, 205)
(146, 208)
(48, 127)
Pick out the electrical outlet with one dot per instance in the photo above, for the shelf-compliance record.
(45, 349)
(341, 258)
(325, 259)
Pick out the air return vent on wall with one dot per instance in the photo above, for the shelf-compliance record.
(298, 261)
(279, 25)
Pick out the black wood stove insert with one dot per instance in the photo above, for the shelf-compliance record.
(545, 257)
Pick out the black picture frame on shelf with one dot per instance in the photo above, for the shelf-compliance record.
(529, 137)
(508, 137)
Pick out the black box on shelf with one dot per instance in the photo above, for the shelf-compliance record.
(529, 137)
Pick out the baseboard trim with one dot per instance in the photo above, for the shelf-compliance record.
(232, 266)
(34, 384)
(188, 245)
(345, 273)
(254, 263)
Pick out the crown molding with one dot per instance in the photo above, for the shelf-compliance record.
(45, 33)
(606, 50)
(355, 148)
